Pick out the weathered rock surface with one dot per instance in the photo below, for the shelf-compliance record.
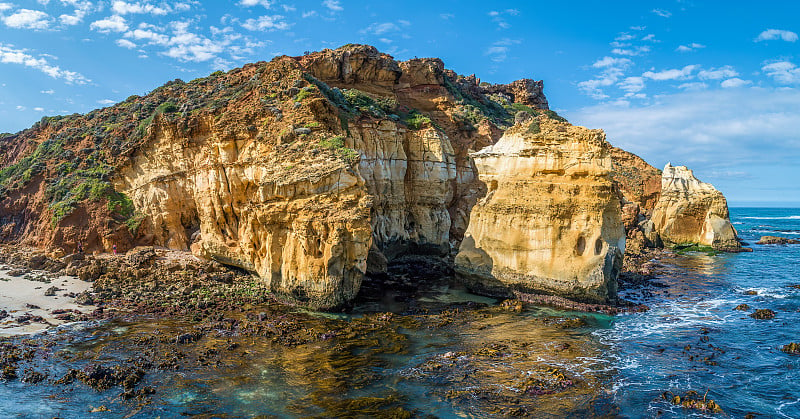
(776, 240)
(550, 221)
(691, 211)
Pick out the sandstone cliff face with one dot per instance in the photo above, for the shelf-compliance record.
(550, 222)
(691, 211)
(312, 171)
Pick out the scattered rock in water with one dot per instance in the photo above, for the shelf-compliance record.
(188, 338)
(50, 292)
(751, 292)
(742, 307)
(18, 272)
(99, 409)
(796, 286)
(763, 314)
(776, 240)
(31, 376)
(692, 400)
(3, 314)
(32, 306)
(792, 348)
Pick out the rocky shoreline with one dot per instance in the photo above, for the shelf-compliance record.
(204, 313)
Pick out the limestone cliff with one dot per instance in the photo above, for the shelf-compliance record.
(550, 222)
(691, 211)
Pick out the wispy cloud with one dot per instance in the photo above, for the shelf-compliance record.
(499, 17)
(266, 23)
(9, 55)
(671, 74)
(333, 5)
(775, 34)
(498, 51)
(723, 72)
(662, 12)
(691, 47)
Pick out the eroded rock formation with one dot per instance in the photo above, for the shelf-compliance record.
(550, 221)
(691, 211)
(312, 171)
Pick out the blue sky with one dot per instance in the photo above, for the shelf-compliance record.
(712, 85)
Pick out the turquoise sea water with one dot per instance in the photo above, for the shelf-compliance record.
(469, 364)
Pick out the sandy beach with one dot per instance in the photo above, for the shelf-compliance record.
(24, 307)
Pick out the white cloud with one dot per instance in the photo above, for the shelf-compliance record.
(73, 19)
(124, 43)
(106, 102)
(632, 84)
(28, 19)
(693, 86)
(9, 55)
(671, 74)
(734, 83)
(711, 130)
(624, 37)
(611, 61)
(631, 52)
(774, 34)
(48, 92)
(723, 72)
(110, 24)
(662, 12)
(38, 109)
(249, 3)
(782, 71)
(333, 5)
(380, 28)
(650, 37)
(691, 47)
(309, 14)
(123, 8)
(498, 52)
(151, 37)
(6, 6)
(266, 23)
(21, 108)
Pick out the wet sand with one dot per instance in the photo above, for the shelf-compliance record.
(23, 291)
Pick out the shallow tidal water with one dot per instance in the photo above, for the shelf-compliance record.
(447, 353)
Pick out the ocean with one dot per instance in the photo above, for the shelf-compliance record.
(451, 354)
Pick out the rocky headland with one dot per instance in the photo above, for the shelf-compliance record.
(313, 173)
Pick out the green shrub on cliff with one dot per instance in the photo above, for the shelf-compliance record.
(415, 120)
(337, 145)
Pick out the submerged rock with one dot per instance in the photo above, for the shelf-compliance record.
(550, 222)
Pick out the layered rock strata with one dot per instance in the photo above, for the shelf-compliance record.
(691, 211)
(550, 221)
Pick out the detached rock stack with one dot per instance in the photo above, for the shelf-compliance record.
(550, 222)
(691, 211)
